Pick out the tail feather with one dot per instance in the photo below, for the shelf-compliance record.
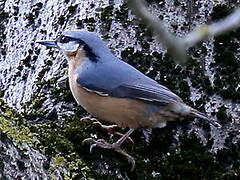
(196, 113)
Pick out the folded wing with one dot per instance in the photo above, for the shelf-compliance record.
(118, 79)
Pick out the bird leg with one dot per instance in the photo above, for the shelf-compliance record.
(115, 146)
(111, 129)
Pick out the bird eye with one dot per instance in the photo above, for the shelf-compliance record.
(64, 39)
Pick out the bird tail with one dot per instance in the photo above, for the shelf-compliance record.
(196, 113)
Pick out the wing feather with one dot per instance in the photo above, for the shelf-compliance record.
(118, 79)
(145, 92)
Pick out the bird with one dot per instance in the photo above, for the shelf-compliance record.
(112, 90)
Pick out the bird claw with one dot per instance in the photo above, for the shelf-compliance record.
(112, 130)
(90, 141)
(100, 143)
(109, 128)
(130, 159)
(87, 140)
(116, 147)
(91, 147)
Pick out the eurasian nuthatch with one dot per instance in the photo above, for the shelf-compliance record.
(114, 91)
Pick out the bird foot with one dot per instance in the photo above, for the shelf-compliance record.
(115, 146)
(111, 129)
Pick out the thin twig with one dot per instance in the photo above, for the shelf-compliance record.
(203, 32)
(178, 46)
(173, 43)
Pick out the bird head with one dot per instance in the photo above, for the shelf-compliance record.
(80, 43)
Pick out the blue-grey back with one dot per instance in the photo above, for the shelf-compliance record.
(116, 78)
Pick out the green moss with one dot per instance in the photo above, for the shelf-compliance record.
(157, 55)
(61, 20)
(46, 164)
(183, 85)
(1, 165)
(37, 103)
(230, 93)
(3, 18)
(49, 62)
(79, 23)
(207, 85)
(127, 52)
(34, 13)
(1, 93)
(30, 17)
(140, 60)
(219, 12)
(222, 115)
(21, 165)
(106, 13)
(19, 134)
(106, 16)
(176, 3)
(3, 15)
(200, 104)
(89, 22)
(122, 15)
(174, 26)
(217, 82)
(13, 125)
(146, 46)
(38, 6)
(226, 157)
(189, 162)
(226, 64)
(60, 160)
(143, 27)
(161, 2)
(53, 141)
(63, 145)
(72, 9)
(226, 58)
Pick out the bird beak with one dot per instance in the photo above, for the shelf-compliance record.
(48, 43)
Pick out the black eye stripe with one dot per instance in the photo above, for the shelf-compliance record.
(66, 39)
(89, 52)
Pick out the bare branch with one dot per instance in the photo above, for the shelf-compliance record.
(177, 46)
(174, 44)
(205, 31)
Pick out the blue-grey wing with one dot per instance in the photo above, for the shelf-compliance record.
(118, 79)
(156, 94)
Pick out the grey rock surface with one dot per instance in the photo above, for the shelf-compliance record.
(34, 82)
